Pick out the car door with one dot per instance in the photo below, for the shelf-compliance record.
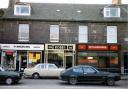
(78, 72)
(42, 70)
(91, 75)
(53, 70)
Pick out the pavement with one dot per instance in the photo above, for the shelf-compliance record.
(124, 77)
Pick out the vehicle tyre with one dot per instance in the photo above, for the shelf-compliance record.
(72, 81)
(9, 81)
(110, 82)
(35, 76)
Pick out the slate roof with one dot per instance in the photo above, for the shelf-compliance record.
(89, 12)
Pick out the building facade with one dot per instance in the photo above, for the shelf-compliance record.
(67, 35)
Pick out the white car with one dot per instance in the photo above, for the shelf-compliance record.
(43, 70)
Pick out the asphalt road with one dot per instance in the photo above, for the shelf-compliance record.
(58, 84)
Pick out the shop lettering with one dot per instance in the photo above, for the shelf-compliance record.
(97, 47)
(21, 46)
(59, 47)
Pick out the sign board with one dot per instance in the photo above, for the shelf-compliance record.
(60, 46)
(22, 47)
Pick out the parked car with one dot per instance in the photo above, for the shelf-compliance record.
(9, 77)
(88, 74)
(43, 70)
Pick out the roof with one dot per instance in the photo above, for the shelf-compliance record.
(68, 12)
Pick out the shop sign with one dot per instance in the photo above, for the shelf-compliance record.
(60, 46)
(97, 47)
(114, 47)
(22, 47)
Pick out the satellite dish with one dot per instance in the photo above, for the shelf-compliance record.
(1, 12)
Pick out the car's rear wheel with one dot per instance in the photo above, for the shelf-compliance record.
(110, 82)
(35, 76)
(9, 81)
(72, 81)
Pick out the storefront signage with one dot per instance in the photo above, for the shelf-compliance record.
(22, 47)
(60, 46)
(97, 47)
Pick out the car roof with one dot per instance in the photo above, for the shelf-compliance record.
(83, 66)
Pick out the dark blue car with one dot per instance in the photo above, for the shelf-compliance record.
(88, 74)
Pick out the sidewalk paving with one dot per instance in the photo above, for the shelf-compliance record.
(124, 77)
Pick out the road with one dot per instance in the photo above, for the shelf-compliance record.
(58, 84)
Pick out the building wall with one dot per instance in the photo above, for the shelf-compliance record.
(39, 32)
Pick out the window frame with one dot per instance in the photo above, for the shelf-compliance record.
(56, 37)
(110, 36)
(20, 38)
(22, 14)
(81, 27)
(109, 11)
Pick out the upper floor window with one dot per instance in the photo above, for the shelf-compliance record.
(54, 33)
(24, 10)
(23, 32)
(111, 34)
(83, 34)
(111, 12)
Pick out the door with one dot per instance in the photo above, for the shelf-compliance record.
(91, 75)
(23, 62)
(69, 61)
(126, 62)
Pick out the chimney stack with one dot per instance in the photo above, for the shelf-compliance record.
(116, 2)
(13, 2)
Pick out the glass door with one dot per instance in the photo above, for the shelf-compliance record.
(69, 61)
(126, 62)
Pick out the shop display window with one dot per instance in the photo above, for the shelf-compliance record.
(34, 58)
(56, 57)
(99, 60)
(9, 62)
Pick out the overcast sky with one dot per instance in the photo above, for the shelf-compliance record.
(4, 3)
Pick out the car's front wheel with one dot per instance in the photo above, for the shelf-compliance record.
(35, 76)
(72, 81)
(9, 81)
(110, 82)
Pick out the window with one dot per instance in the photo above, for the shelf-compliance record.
(42, 66)
(50, 66)
(54, 33)
(83, 34)
(23, 32)
(111, 12)
(111, 34)
(23, 10)
(88, 70)
(78, 70)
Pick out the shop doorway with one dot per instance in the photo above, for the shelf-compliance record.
(69, 61)
(23, 62)
(126, 62)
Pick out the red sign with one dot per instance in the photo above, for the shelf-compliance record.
(82, 47)
(114, 47)
(9, 52)
(97, 47)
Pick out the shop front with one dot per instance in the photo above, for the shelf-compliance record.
(19, 56)
(62, 55)
(125, 57)
(104, 57)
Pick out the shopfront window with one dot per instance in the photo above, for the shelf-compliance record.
(99, 59)
(9, 60)
(56, 58)
(34, 58)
